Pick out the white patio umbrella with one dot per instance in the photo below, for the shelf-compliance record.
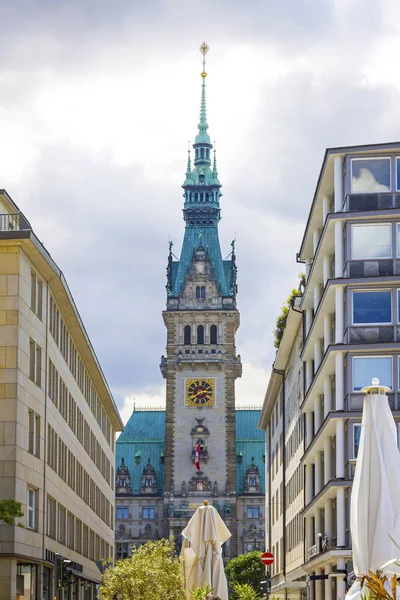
(201, 553)
(375, 497)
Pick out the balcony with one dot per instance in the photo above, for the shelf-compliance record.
(13, 222)
(366, 202)
(372, 268)
(371, 334)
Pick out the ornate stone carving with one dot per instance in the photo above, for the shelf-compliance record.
(200, 483)
(149, 479)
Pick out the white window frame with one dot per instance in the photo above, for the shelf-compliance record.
(374, 224)
(366, 356)
(364, 158)
(362, 291)
(397, 158)
(31, 508)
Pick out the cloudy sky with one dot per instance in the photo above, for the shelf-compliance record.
(98, 99)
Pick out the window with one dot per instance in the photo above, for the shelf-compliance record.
(213, 334)
(148, 482)
(356, 438)
(145, 512)
(126, 512)
(31, 506)
(51, 517)
(367, 367)
(370, 175)
(203, 292)
(372, 307)
(78, 536)
(187, 335)
(70, 530)
(252, 512)
(35, 362)
(62, 522)
(36, 295)
(34, 433)
(198, 291)
(371, 241)
(200, 335)
(151, 512)
(119, 512)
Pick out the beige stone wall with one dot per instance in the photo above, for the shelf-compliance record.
(18, 394)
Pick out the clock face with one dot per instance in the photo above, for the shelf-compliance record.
(200, 392)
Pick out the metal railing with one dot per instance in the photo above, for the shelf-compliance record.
(13, 222)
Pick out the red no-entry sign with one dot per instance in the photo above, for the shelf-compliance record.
(267, 558)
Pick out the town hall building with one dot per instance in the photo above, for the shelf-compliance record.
(158, 486)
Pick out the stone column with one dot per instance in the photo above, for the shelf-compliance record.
(338, 249)
(309, 428)
(341, 584)
(340, 448)
(309, 319)
(328, 522)
(318, 473)
(317, 297)
(327, 395)
(340, 517)
(317, 355)
(339, 315)
(339, 381)
(328, 582)
(309, 484)
(327, 331)
(318, 585)
(316, 235)
(327, 459)
(326, 265)
(338, 183)
(317, 414)
(309, 373)
(325, 207)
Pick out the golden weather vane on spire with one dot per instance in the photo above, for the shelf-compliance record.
(204, 49)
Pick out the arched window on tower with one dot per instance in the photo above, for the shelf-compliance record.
(203, 291)
(200, 334)
(213, 334)
(202, 152)
(187, 335)
(198, 291)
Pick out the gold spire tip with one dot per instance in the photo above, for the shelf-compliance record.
(204, 49)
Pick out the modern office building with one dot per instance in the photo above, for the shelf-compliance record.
(57, 428)
(351, 328)
(200, 367)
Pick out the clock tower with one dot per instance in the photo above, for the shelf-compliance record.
(201, 364)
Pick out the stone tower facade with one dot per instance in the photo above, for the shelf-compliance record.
(201, 364)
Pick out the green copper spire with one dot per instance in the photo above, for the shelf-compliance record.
(202, 144)
(215, 172)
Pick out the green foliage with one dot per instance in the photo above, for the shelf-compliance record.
(246, 568)
(10, 510)
(203, 593)
(244, 591)
(281, 320)
(150, 573)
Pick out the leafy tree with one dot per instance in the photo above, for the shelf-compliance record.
(245, 568)
(10, 510)
(150, 573)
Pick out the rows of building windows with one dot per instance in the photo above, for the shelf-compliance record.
(295, 532)
(295, 485)
(63, 400)
(276, 413)
(71, 356)
(364, 367)
(374, 240)
(33, 433)
(122, 512)
(294, 440)
(276, 457)
(63, 526)
(374, 307)
(277, 504)
(69, 469)
(277, 551)
(252, 512)
(187, 335)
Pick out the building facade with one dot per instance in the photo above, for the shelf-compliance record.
(350, 306)
(200, 367)
(57, 427)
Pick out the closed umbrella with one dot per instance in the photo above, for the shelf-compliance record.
(375, 497)
(201, 553)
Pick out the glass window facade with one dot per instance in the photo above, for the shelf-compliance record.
(365, 368)
(371, 241)
(370, 175)
(356, 439)
(372, 307)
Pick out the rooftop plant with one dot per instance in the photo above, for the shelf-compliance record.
(281, 320)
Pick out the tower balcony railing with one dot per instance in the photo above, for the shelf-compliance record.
(200, 351)
(13, 222)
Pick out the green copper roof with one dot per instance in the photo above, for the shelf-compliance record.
(144, 437)
(250, 442)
